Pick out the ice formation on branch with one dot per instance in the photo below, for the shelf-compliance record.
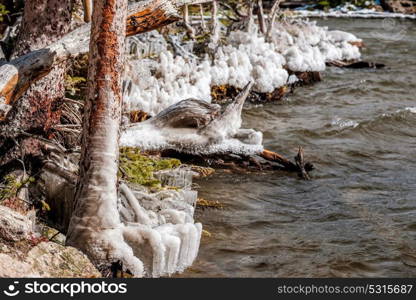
(299, 46)
(197, 127)
(351, 11)
(308, 47)
(159, 227)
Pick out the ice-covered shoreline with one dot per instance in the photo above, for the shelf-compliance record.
(364, 14)
(300, 46)
(176, 92)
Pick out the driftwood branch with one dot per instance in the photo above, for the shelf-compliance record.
(275, 157)
(300, 163)
(189, 29)
(300, 166)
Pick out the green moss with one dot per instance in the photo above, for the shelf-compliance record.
(76, 78)
(138, 168)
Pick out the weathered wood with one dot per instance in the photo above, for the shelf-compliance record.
(39, 108)
(275, 157)
(260, 15)
(201, 14)
(17, 75)
(42, 25)
(300, 166)
(356, 64)
(273, 14)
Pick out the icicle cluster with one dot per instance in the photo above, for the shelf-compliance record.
(307, 47)
(196, 127)
(299, 46)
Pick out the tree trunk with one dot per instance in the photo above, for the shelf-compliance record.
(39, 107)
(96, 197)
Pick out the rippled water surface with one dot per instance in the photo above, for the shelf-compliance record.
(357, 217)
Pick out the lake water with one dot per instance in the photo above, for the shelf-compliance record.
(357, 217)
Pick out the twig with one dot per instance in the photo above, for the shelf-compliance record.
(274, 11)
(300, 162)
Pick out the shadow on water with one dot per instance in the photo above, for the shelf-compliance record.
(358, 215)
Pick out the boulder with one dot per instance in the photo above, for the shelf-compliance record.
(48, 260)
(399, 6)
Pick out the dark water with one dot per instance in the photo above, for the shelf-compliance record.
(357, 217)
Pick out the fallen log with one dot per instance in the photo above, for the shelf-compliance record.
(275, 157)
(300, 166)
(240, 163)
(17, 75)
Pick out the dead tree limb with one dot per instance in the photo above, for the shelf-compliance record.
(201, 13)
(272, 18)
(215, 31)
(275, 157)
(87, 4)
(260, 15)
(300, 163)
(189, 29)
(96, 192)
(300, 166)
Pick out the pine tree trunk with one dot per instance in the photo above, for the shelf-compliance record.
(96, 196)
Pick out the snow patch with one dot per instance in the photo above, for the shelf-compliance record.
(300, 46)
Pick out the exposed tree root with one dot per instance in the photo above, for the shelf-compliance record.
(356, 65)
